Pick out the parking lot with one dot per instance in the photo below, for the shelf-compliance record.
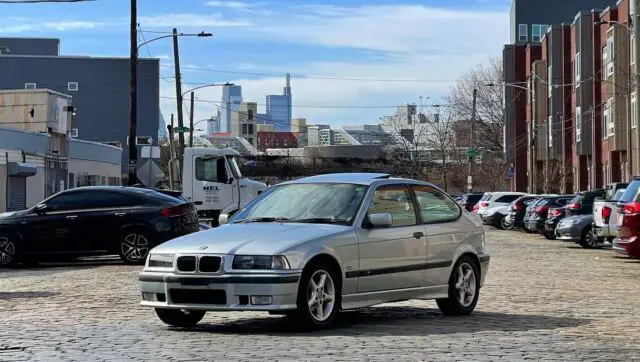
(543, 299)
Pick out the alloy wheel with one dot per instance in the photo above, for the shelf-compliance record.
(506, 223)
(134, 247)
(7, 250)
(321, 295)
(591, 240)
(465, 284)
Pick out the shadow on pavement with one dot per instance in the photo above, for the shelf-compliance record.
(51, 267)
(398, 321)
(26, 295)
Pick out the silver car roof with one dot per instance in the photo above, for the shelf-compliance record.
(361, 178)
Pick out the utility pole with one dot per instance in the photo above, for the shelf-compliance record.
(472, 140)
(133, 96)
(191, 122)
(176, 58)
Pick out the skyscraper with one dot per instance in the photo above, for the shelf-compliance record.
(279, 108)
(231, 99)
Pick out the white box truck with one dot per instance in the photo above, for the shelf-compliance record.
(212, 181)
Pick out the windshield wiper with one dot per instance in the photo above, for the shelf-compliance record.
(263, 219)
(321, 220)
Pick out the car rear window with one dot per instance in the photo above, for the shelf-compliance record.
(507, 198)
(630, 192)
(473, 198)
(160, 197)
(618, 195)
(576, 198)
(486, 196)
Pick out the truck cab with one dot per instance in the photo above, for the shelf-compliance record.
(212, 181)
(605, 213)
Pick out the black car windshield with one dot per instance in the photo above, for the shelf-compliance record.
(335, 203)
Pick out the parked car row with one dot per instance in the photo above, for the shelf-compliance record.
(592, 219)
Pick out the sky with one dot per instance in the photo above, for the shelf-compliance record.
(351, 61)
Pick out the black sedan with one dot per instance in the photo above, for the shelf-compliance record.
(86, 221)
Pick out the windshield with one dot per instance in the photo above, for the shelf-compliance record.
(321, 203)
(233, 165)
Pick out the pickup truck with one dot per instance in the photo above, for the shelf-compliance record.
(605, 213)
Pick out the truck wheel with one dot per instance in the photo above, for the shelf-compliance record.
(589, 239)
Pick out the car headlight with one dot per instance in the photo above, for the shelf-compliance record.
(262, 262)
(575, 222)
(160, 261)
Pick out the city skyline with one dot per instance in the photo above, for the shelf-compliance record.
(325, 45)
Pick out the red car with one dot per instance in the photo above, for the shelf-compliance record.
(628, 240)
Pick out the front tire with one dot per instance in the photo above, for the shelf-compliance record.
(134, 246)
(319, 297)
(464, 289)
(180, 318)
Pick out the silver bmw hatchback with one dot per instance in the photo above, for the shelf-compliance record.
(312, 247)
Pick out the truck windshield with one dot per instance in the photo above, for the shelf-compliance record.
(233, 165)
(335, 203)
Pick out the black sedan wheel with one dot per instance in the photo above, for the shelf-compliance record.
(134, 246)
(8, 249)
(180, 318)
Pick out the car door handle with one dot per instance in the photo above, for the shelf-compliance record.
(120, 213)
(418, 234)
(72, 217)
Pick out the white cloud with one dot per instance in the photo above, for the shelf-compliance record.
(64, 25)
(391, 28)
(228, 4)
(191, 20)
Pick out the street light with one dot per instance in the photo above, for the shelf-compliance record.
(191, 110)
(133, 87)
(201, 34)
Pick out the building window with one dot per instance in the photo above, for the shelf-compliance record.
(550, 126)
(605, 63)
(523, 32)
(550, 81)
(634, 110)
(578, 68)
(537, 32)
(578, 123)
(29, 86)
(610, 56)
(633, 49)
(250, 140)
(250, 126)
(609, 118)
(250, 114)
(244, 128)
(72, 86)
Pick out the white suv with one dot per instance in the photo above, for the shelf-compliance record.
(492, 199)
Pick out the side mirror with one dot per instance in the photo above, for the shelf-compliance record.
(41, 209)
(381, 220)
(222, 219)
(230, 181)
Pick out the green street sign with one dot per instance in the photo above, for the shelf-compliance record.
(180, 129)
(472, 152)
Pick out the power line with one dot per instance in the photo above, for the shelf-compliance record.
(41, 1)
(312, 76)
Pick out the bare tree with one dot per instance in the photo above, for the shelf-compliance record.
(441, 145)
(488, 80)
(410, 134)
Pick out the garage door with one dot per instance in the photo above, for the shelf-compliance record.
(16, 193)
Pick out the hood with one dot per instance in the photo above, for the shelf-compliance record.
(250, 239)
(12, 214)
(255, 185)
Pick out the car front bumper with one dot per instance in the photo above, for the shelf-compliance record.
(236, 292)
(569, 232)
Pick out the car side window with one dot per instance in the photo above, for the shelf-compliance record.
(395, 200)
(67, 201)
(434, 206)
(507, 198)
(109, 199)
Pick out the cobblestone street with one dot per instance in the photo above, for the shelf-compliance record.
(543, 299)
